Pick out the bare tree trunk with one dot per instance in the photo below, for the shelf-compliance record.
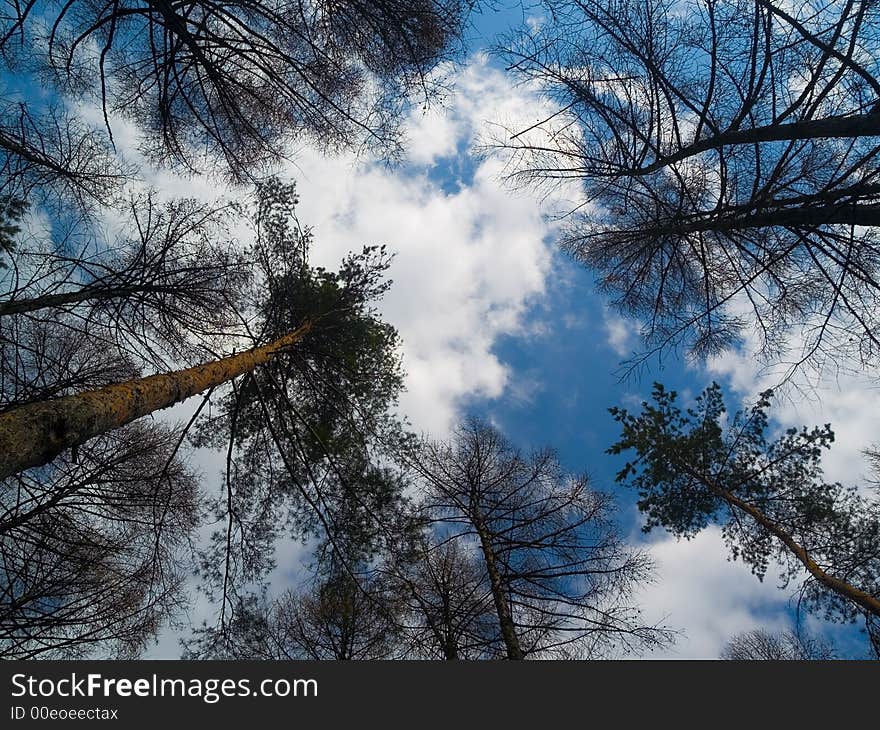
(450, 651)
(36, 433)
(857, 125)
(21, 306)
(835, 214)
(447, 639)
(505, 620)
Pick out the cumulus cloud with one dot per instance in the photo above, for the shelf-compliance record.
(848, 399)
(621, 333)
(470, 258)
(706, 597)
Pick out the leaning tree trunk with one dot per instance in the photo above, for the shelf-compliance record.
(505, 620)
(88, 293)
(841, 213)
(34, 434)
(870, 604)
(865, 600)
(856, 125)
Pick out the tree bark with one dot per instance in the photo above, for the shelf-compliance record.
(21, 306)
(505, 620)
(869, 603)
(857, 125)
(36, 433)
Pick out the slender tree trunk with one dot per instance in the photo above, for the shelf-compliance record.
(21, 306)
(448, 642)
(856, 125)
(869, 603)
(822, 215)
(36, 433)
(450, 651)
(505, 620)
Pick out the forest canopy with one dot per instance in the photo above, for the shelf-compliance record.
(225, 429)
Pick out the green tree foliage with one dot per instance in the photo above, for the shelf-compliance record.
(696, 467)
(305, 434)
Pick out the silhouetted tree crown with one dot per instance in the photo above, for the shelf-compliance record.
(225, 86)
(762, 645)
(560, 576)
(726, 152)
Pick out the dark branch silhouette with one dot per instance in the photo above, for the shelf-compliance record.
(728, 159)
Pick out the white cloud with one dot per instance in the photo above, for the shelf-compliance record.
(621, 333)
(849, 401)
(468, 263)
(536, 22)
(708, 598)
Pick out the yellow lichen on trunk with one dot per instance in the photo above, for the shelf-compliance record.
(36, 433)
